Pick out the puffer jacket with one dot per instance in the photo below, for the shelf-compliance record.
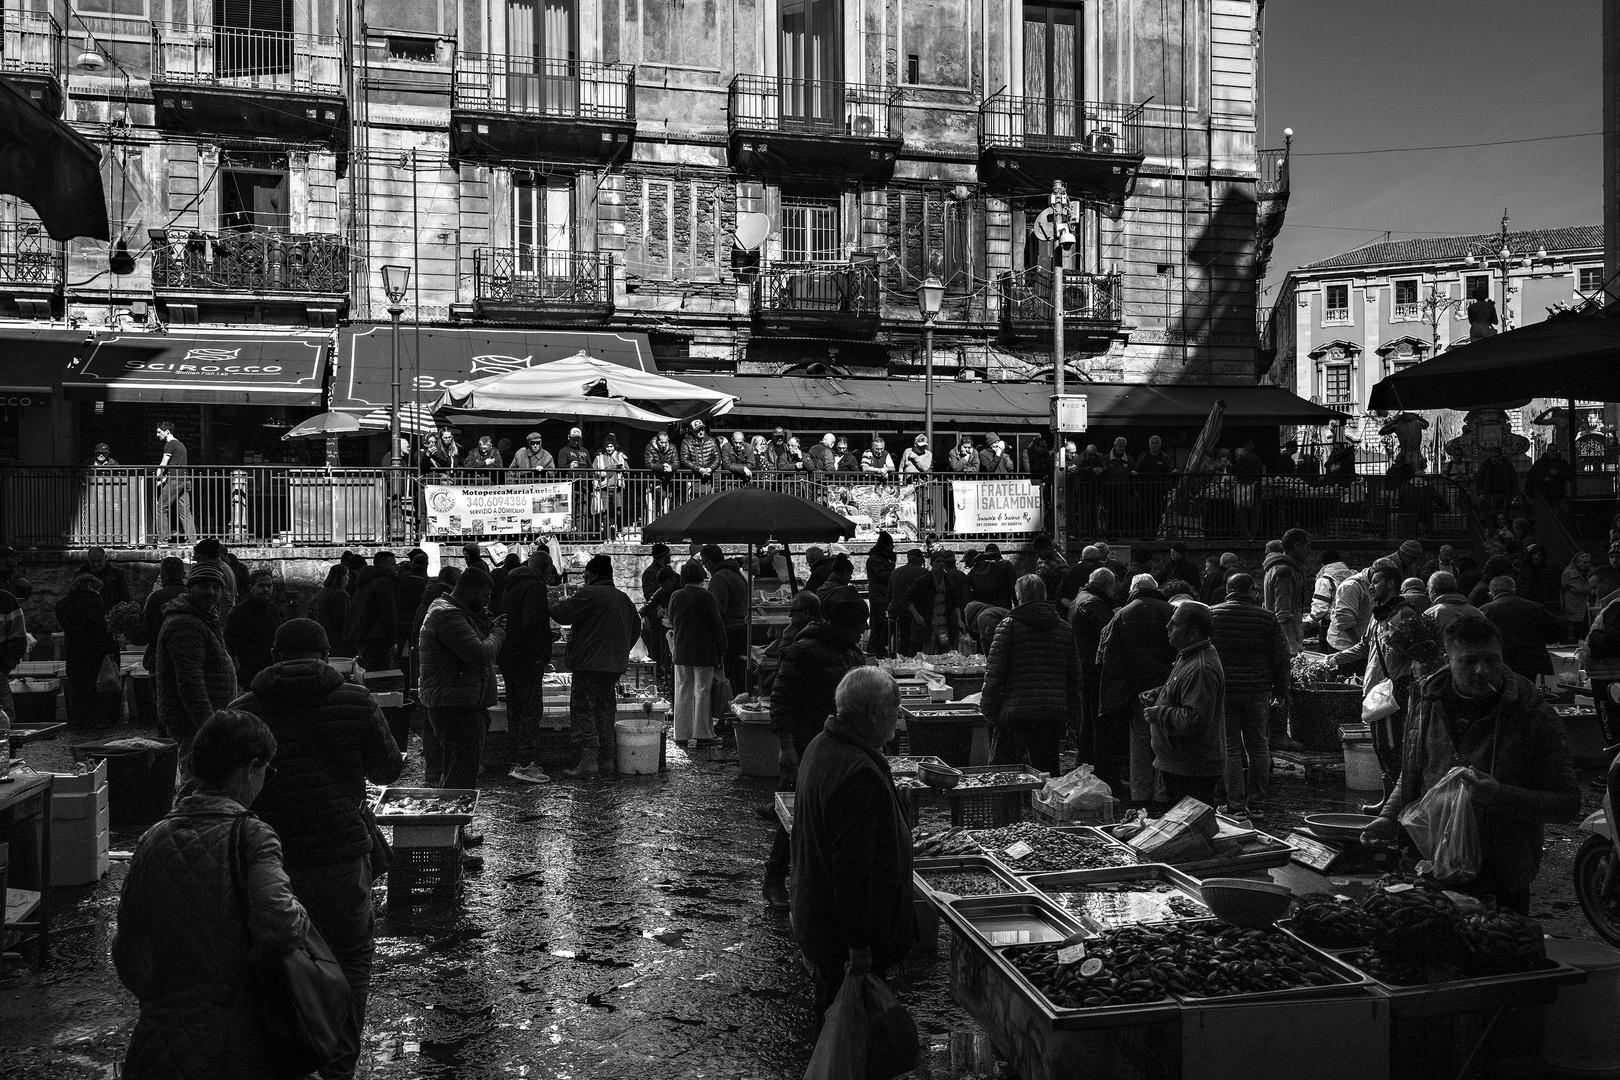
(250, 634)
(700, 454)
(182, 942)
(1034, 668)
(1090, 613)
(657, 457)
(812, 667)
(195, 674)
(1352, 611)
(1252, 647)
(330, 739)
(457, 651)
(734, 459)
(373, 613)
(1134, 652)
(1284, 597)
(603, 627)
(526, 603)
(1327, 584)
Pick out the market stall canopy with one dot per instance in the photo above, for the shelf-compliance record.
(583, 387)
(36, 359)
(748, 515)
(434, 358)
(326, 425)
(234, 369)
(1570, 355)
(1004, 403)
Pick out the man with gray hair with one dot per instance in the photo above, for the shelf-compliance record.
(1032, 681)
(1090, 613)
(1134, 654)
(1449, 604)
(851, 846)
(1526, 628)
(1255, 655)
(1187, 715)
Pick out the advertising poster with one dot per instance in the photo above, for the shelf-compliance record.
(510, 510)
(996, 506)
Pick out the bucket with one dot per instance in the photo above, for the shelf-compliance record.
(757, 748)
(1361, 768)
(1582, 1039)
(638, 742)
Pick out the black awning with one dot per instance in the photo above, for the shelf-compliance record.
(234, 369)
(33, 361)
(433, 358)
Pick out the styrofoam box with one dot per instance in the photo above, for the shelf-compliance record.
(389, 699)
(78, 806)
(78, 861)
(70, 831)
(79, 783)
(415, 836)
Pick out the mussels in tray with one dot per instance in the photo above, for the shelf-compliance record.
(925, 845)
(1326, 921)
(419, 806)
(1049, 849)
(1006, 778)
(965, 882)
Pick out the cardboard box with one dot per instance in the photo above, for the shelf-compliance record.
(79, 783)
(78, 806)
(389, 699)
(1198, 816)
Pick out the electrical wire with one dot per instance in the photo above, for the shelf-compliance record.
(1446, 146)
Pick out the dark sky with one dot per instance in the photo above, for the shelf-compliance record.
(1373, 74)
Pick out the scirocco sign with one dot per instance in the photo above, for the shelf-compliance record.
(996, 506)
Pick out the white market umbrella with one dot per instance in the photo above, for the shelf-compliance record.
(414, 419)
(582, 387)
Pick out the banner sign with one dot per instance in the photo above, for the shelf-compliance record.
(511, 510)
(996, 506)
(880, 508)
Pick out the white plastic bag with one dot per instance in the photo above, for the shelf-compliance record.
(1443, 826)
(1379, 702)
(638, 652)
(1079, 789)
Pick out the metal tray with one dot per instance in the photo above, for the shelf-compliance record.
(1526, 988)
(27, 733)
(994, 919)
(1090, 832)
(949, 863)
(1264, 852)
(1060, 881)
(1354, 981)
(906, 764)
(390, 794)
(942, 710)
(1033, 781)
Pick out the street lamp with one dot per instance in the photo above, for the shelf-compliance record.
(1502, 258)
(395, 278)
(930, 294)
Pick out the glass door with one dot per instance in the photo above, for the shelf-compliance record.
(811, 64)
(543, 227)
(1052, 75)
(542, 72)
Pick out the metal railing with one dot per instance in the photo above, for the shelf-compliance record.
(808, 106)
(536, 276)
(229, 56)
(28, 256)
(1104, 128)
(31, 43)
(250, 260)
(1273, 166)
(1026, 296)
(543, 86)
(823, 289)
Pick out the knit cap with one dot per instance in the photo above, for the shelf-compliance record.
(1411, 550)
(206, 571)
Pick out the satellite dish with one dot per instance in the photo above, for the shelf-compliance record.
(751, 231)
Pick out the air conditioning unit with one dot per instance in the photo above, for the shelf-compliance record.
(864, 125)
(1103, 140)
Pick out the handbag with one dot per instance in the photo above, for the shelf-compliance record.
(302, 996)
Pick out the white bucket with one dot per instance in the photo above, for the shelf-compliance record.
(638, 742)
(1581, 1036)
(1361, 771)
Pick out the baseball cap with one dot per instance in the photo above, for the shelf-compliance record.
(102, 448)
(575, 433)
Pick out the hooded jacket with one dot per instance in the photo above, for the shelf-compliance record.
(374, 611)
(1033, 672)
(330, 739)
(1088, 616)
(194, 673)
(456, 655)
(603, 626)
(1252, 647)
(182, 943)
(1326, 587)
(1352, 611)
(697, 626)
(1284, 597)
(812, 667)
(879, 571)
(1134, 652)
(526, 603)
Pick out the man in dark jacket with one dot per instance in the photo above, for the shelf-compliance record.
(1255, 657)
(194, 674)
(935, 619)
(250, 630)
(1133, 655)
(1526, 628)
(730, 590)
(374, 614)
(1180, 567)
(802, 698)
(604, 627)
(819, 565)
(409, 586)
(526, 605)
(821, 458)
(1477, 713)
(1187, 718)
(700, 455)
(837, 587)
(330, 739)
(171, 583)
(1032, 682)
(1091, 612)
(851, 845)
(879, 571)
(901, 582)
(992, 577)
(1447, 604)
(114, 585)
(651, 573)
(457, 647)
(1284, 592)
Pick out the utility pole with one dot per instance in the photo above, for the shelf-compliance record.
(1062, 243)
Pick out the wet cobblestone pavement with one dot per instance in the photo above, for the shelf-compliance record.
(616, 929)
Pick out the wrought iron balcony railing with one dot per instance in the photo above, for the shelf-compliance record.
(827, 290)
(231, 57)
(1026, 296)
(541, 86)
(1273, 174)
(1102, 128)
(543, 278)
(810, 107)
(31, 43)
(28, 256)
(249, 261)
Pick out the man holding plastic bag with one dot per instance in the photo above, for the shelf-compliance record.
(1478, 727)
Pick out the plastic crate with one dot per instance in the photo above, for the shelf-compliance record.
(1058, 814)
(424, 875)
(988, 809)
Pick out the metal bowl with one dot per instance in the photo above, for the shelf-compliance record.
(940, 776)
(1243, 902)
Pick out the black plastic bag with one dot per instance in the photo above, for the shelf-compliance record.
(866, 1035)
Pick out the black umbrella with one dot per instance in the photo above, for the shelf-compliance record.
(749, 515)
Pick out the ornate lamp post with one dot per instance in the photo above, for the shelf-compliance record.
(395, 278)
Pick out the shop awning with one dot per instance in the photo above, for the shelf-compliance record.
(256, 369)
(434, 358)
(33, 361)
(1006, 403)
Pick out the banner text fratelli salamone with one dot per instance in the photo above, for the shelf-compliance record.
(996, 506)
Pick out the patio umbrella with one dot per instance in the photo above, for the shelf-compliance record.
(751, 515)
(414, 419)
(586, 388)
(326, 425)
(1207, 437)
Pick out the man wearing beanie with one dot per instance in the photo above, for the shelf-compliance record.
(603, 626)
(1526, 628)
(994, 459)
(171, 583)
(330, 739)
(195, 675)
(1091, 612)
(1410, 555)
(456, 656)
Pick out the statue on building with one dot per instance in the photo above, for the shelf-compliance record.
(1481, 318)
(1484, 431)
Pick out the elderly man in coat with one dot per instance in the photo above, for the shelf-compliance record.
(1133, 655)
(1033, 682)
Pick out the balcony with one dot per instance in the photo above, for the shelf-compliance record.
(522, 108)
(542, 287)
(1091, 306)
(257, 83)
(257, 268)
(822, 299)
(819, 130)
(1406, 313)
(33, 57)
(1027, 143)
(30, 269)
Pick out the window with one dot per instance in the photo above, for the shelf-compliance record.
(1338, 303)
(1477, 286)
(810, 231)
(810, 61)
(543, 224)
(1053, 73)
(1407, 306)
(1589, 279)
(540, 55)
(253, 192)
(252, 38)
(935, 236)
(1336, 384)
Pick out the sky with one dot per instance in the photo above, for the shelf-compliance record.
(1376, 74)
